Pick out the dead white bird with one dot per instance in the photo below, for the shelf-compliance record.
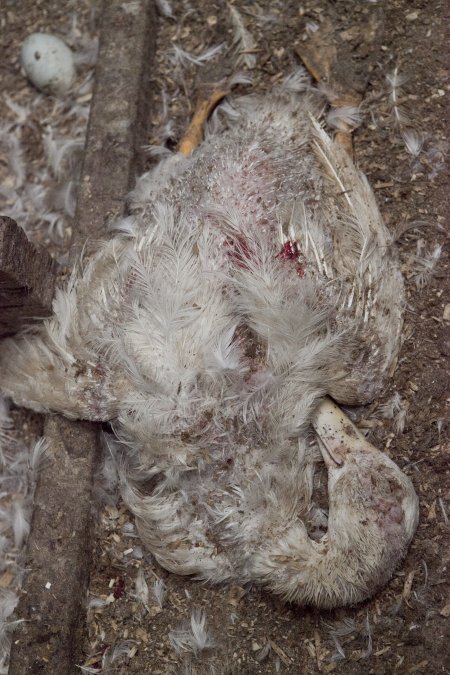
(255, 278)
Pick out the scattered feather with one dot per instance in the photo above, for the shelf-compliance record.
(159, 591)
(395, 409)
(443, 509)
(263, 653)
(341, 628)
(21, 523)
(192, 637)
(339, 655)
(180, 57)
(395, 79)
(400, 420)
(62, 153)
(243, 42)
(164, 8)
(344, 118)
(436, 156)
(89, 669)
(121, 649)
(297, 81)
(413, 140)
(8, 603)
(141, 588)
(94, 603)
(368, 632)
(391, 406)
(312, 27)
(425, 265)
(395, 82)
(345, 631)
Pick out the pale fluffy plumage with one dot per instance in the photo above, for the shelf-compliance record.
(255, 278)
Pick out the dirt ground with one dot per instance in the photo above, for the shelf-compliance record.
(404, 629)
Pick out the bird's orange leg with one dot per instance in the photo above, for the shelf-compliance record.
(321, 58)
(194, 133)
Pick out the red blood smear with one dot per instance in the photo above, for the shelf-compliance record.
(290, 251)
(119, 588)
(239, 250)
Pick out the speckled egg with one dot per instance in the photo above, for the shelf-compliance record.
(48, 63)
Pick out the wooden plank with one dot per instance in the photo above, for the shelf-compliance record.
(59, 551)
(119, 117)
(54, 593)
(27, 279)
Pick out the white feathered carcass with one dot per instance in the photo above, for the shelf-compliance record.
(255, 279)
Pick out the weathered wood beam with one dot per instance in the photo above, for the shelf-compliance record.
(58, 556)
(59, 551)
(119, 118)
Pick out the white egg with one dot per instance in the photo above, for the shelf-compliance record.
(48, 63)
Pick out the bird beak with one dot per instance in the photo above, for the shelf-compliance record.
(338, 436)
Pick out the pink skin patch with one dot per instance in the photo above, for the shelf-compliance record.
(390, 514)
